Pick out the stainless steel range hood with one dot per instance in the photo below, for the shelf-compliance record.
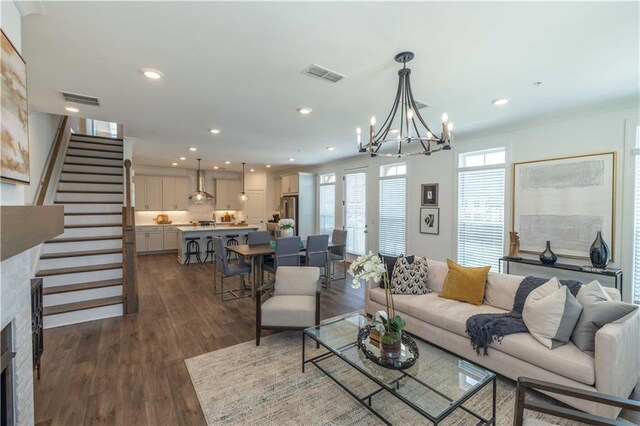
(200, 195)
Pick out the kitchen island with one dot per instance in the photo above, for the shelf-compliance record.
(203, 232)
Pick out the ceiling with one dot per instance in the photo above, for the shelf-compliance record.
(237, 67)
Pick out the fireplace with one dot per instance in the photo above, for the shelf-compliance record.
(7, 382)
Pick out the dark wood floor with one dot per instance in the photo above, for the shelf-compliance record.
(131, 371)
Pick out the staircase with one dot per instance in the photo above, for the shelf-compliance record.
(82, 268)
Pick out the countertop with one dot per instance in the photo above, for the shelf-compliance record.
(216, 228)
(161, 224)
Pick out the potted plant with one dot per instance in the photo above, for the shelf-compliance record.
(371, 267)
(286, 227)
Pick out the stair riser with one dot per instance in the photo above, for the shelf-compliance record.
(116, 155)
(82, 245)
(91, 169)
(68, 318)
(70, 262)
(74, 176)
(86, 220)
(80, 296)
(66, 186)
(82, 277)
(89, 145)
(89, 208)
(114, 142)
(116, 198)
(91, 232)
(92, 161)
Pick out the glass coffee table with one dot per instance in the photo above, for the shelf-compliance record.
(438, 384)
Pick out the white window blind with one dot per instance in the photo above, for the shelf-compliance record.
(636, 224)
(481, 214)
(393, 210)
(327, 203)
(355, 199)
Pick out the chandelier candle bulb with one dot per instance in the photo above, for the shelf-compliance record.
(358, 140)
(372, 130)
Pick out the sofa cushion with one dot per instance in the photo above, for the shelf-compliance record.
(500, 290)
(410, 278)
(465, 284)
(289, 311)
(390, 264)
(437, 274)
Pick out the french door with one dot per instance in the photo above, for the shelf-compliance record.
(355, 211)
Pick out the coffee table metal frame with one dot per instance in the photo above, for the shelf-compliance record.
(366, 400)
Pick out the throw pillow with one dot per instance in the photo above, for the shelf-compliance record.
(390, 263)
(551, 317)
(465, 284)
(410, 278)
(598, 311)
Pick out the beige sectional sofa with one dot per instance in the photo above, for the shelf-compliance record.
(614, 370)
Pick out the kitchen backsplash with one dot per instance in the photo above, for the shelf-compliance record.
(179, 217)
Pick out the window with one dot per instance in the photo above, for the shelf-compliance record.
(481, 180)
(327, 203)
(636, 223)
(393, 209)
(355, 211)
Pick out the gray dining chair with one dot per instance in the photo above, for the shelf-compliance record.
(287, 253)
(317, 251)
(258, 238)
(338, 254)
(226, 270)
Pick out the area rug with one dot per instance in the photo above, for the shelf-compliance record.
(249, 385)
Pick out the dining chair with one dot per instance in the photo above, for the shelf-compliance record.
(226, 270)
(338, 254)
(258, 237)
(287, 253)
(317, 251)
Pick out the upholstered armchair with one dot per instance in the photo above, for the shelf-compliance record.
(291, 302)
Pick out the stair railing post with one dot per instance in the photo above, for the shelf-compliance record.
(129, 260)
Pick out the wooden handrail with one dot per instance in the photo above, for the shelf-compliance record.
(52, 161)
(129, 259)
(127, 188)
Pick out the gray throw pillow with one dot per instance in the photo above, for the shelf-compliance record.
(598, 311)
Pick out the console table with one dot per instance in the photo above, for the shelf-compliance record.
(615, 273)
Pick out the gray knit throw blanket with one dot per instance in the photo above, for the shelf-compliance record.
(483, 329)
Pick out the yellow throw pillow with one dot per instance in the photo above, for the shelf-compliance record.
(465, 284)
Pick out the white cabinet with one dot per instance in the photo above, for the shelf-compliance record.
(148, 193)
(277, 190)
(170, 238)
(228, 194)
(152, 238)
(290, 184)
(175, 193)
(155, 241)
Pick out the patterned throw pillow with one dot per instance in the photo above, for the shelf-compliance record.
(410, 278)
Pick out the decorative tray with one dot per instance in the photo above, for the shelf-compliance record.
(408, 354)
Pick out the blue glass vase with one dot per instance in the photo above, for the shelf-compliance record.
(548, 257)
(599, 252)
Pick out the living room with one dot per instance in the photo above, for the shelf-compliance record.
(512, 152)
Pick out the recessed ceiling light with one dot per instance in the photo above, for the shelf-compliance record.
(151, 73)
(292, 159)
(72, 109)
(331, 148)
(215, 167)
(227, 162)
(268, 166)
(174, 164)
(214, 131)
(500, 101)
(304, 110)
(193, 148)
(183, 158)
(252, 170)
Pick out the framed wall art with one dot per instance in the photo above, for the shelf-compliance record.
(566, 201)
(430, 220)
(429, 195)
(14, 157)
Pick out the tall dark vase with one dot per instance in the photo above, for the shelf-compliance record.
(548, 257)
(599, 252)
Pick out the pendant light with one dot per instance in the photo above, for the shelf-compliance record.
(243, 195)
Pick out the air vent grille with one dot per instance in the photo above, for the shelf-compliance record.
(80, 99)
(323, 73)
(422, 105)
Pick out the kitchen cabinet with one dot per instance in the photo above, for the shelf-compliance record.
(155, 240)
(228, 194)
(175, 194)
(277, 192)
(170, 238)
(151, 238)
(148, 193)
(290, 184)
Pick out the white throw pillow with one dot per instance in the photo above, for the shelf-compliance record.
(551, 313)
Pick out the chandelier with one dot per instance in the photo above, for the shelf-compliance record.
(404, 127)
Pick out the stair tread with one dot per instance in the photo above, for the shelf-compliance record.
(84, 191)
(94, 214)
(80, 253)
(78, 269)
(79, 306)
(75, 172)
(88, 202)
(83, 135)
(79, 239)
(94, 156)
(90, 164)
(92, 182)
(81, 286)
(93, 225)
(94, 149)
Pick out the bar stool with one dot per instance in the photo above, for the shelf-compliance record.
(210, 250)
(232, 241)
(193, 248)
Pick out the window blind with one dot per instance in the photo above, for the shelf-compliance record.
(327, 208)
(481, 216)
(355, 187)
(636, 231)
(393, 216)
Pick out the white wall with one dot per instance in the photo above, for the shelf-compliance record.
(590, 131)
(42, 131)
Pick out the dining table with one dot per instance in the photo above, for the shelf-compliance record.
(257, 252)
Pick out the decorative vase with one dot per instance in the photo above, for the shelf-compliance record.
(390, 345)
(286, 232)
(599, 252)
(548, 257)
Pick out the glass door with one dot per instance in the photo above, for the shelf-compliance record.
(355, 211)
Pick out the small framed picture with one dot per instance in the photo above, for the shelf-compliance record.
(430, 220)
(430, 194)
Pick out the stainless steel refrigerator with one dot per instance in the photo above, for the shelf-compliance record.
(289, 210)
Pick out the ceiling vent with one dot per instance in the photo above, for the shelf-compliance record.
(80, 99)
(422, 105)
(323, 73)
